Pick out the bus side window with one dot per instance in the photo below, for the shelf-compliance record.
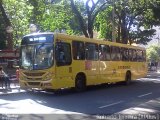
(78, 50)
(144, 55)
(124, 52)
(113, 53)
(63, 54)
(139, 55)
(102, 53)
(134, 55)
(108, 52)
(130, 55)
(91, 51)
(118, 53)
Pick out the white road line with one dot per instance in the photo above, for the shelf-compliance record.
(145, 94)
(111, 104)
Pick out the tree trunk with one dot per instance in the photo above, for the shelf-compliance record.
(80, 19)
(119, 31)
(90, 25)
(124, 28)
(7, 23)
(6, 19)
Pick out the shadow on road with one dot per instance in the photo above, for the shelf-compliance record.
(89, 102)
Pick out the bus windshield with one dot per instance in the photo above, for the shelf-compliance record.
(37, 55)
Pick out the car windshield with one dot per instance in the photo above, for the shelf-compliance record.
(38, 56)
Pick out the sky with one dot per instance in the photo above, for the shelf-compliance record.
(90, 3)
(156, 38)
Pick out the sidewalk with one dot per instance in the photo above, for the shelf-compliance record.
(14, 89)
(154, 73)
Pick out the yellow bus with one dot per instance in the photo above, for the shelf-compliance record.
(55, 61)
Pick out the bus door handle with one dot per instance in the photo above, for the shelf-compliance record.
(70, 69)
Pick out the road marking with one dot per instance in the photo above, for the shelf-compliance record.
(111, 104)
(145, 94)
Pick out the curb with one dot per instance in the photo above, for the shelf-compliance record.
(12, 91)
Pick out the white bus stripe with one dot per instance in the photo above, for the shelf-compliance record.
(111, 104)
(145, 94)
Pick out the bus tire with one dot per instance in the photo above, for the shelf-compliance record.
(80, 83)
(128, 78)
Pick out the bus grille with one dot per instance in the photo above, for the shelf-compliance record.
(34, 83)
(34, 78)
(34, 74)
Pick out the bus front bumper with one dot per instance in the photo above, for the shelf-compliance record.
(41, 85)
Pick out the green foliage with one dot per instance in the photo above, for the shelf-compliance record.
(142, 36)
(153, 53)
(130, 17)
(53, 16)
(56, 17)
(103, 24)
(19, 13)
(86, 14)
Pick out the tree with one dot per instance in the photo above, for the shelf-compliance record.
(132, 16)
(155, 6)
(18, 13)
(53, 16)
(6, 24)
(2, 33)
(87, 18)
(103, 24)
(4, 15)
(132, 19)
(153, 53)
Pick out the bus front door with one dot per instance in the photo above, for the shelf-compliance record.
(63, 65)
(64, 76)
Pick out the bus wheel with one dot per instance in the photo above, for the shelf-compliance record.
(128, 78)
(80, 83)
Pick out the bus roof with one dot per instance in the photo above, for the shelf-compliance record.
(81, 38)
(98, 41)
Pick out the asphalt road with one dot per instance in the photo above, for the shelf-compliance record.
(140, 97)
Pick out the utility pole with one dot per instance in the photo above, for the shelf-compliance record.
(113, 22)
